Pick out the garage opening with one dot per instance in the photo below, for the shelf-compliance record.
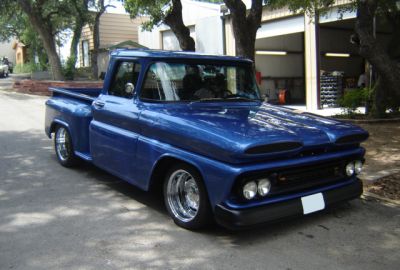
(340, 64)
(342, 69)
(279, 60)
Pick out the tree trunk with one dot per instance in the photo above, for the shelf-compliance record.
(96, 45)
(245, 25)
(175, 21)
(75, 39)
(387, 68)
(96, 39)
(81, 8)
(45, 33)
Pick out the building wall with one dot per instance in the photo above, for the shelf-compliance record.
(7, 50)
(200, 17)
(206, 43)
(114, 28)
(20, 55)
(169, 40)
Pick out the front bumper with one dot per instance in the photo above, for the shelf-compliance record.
(275, 212)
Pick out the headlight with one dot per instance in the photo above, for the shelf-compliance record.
(264, 186)
(350, 169)
(250, 190)
(358, 166)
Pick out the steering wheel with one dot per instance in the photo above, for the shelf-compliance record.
(226, 93)
(233, 96)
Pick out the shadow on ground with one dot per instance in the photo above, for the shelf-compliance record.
(55, 218)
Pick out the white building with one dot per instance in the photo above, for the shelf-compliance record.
(204, 22)
(6, 49)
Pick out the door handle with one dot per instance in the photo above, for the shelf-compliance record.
(98, 104)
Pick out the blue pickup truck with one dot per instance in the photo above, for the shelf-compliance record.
(196, 127)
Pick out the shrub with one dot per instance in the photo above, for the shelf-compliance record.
(69, 69)
(28, 67)
(354, 98)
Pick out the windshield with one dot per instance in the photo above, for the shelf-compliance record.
(199, 82)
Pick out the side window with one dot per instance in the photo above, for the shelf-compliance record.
(126, 76)
(163, 82)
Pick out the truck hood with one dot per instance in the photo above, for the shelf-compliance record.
(238, 133)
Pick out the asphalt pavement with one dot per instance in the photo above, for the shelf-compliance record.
(6, 83)
(57, 218)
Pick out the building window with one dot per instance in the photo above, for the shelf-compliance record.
(85, 53)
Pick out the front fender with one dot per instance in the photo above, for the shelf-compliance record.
(218, 177)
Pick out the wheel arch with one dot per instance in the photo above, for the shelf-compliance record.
(161, 167)
(58, 122)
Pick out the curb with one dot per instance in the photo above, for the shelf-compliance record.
(367, 194)
(370, 121)
(373, 177)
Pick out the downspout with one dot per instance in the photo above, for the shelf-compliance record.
(223, 10)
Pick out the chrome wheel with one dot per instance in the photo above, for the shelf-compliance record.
(62, 144)
(183, 196)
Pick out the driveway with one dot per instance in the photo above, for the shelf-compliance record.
(57, 218)
(6, 83)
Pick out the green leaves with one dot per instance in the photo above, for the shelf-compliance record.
(156, 10)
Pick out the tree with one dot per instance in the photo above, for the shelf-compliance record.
(82, 16)
(385, 60)
(245, 25)
(100, 9)
(47, 18)
(44, 16)
(163, 11)
(11, 24)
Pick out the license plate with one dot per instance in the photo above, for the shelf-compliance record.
(312, 203)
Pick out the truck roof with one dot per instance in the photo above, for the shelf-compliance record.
(174, 55)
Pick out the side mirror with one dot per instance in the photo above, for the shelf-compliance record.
(265, 97)
(129, 88)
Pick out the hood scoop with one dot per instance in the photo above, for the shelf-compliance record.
(273, 148)
(352, 139)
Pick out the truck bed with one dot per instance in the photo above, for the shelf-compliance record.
(71, 107)
(87, 94)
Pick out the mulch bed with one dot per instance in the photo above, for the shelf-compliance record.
(386, 187)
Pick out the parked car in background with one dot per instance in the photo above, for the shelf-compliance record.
(195, 126)
(4, 67)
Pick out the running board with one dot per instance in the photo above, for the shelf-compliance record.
(84, 156)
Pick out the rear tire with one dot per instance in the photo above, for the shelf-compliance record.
(63, 147)
(186, 197)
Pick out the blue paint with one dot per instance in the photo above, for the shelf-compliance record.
(128, 137)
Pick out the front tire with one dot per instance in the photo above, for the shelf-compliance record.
(186, 198)
(63, 147)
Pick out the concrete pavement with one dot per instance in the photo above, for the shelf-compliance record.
(6, 83)
(57, 218)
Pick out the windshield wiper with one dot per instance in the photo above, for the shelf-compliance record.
(223, 99)
(206, 100)
(241, 99)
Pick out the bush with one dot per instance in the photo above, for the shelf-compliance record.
(353, 99)
(69, 69)
(26, 68)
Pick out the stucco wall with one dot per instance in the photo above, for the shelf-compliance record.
(7, 50)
